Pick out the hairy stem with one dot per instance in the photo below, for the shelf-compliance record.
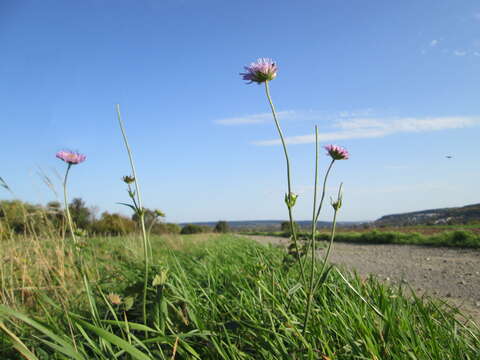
(323, 190)
(312, 239)
(67, 210)
(146, 243)
(290, 215)
(332, 236)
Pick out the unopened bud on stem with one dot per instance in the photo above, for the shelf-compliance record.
(291, 199)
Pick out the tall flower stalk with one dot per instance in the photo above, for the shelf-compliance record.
(337, 204)
(74, 158)
(313, 233)
(138, 208)
(290, 197)
(336, 153)
(263, 71)
(71, 158)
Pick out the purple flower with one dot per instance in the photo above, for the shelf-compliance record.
(337, 152)
(262, 70)
(71, 157)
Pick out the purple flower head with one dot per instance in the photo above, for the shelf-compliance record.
(337, 152)
(71, 157)
(262, 70)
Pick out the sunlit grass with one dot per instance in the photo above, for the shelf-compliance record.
(224, 298)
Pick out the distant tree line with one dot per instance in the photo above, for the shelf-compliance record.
(18, 217)
(220, 227)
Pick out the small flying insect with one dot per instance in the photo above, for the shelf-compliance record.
(449, 156)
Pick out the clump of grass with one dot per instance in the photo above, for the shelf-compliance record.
(220, 299)
(459, 238)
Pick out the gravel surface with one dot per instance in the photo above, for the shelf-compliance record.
(449, 274)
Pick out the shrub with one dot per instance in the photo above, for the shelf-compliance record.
(81, 215)
(166, 228)
(194, 229)
(287, 231)
(222, 227)
(113, 224)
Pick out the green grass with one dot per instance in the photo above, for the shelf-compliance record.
(228, 298)
(457, 239)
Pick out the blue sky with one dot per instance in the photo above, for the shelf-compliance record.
(395, 82)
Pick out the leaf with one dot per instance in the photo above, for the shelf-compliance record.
(18, 344)
(114, 339)
(65, 347)
(4, 184)
(324, 276)
(294, 289)
(128, 302)
(129, 205)
(130, 325)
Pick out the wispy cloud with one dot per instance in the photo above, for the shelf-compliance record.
(254, 119)
(297, 115)
(459, 53)
(433, 43)
(476, 15)
(375, 128)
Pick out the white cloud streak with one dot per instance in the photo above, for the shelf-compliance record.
(362, 128)
(254, 119)
(289, 115)
(433, 43)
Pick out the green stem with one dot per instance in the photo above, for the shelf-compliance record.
(323, 190)
(146, 244)
(78, 258)
(332, 236)
(67, 210)
(290, 215)
(315, 217)
(312, 239)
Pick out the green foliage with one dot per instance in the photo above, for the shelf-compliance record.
(81, 215)
(222, 227)
(18, 217)
(166, 228)
(194, 229)
(21, 218)
(225, 299)
(286, 228)
(113, 224)
(151, 217)
(459, 238)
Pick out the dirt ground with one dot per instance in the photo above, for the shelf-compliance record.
(450, 274)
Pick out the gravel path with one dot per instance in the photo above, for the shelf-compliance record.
(450, 274)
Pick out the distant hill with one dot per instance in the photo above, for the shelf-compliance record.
(454, 215)
(271, 225)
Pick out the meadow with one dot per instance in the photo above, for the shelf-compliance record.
(68, 294)
(210, 296)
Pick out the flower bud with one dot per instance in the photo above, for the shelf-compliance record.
(336, 204)
(128, 179)
(115, 299)
(160, 279)
(291, 199)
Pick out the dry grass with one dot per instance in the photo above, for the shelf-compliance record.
(31, 265)
(28, 264)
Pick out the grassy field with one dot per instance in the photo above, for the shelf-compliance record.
(445, 236)
(210, 297)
